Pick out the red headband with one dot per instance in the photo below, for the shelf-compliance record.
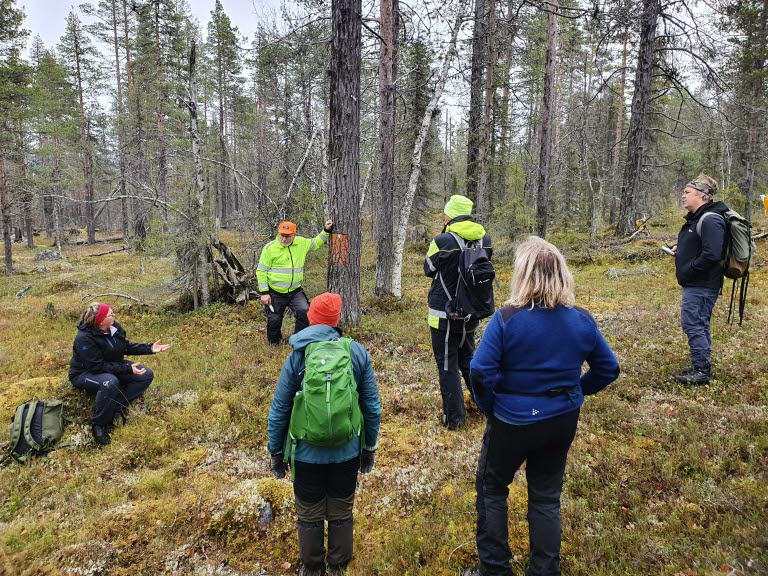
(101, 314)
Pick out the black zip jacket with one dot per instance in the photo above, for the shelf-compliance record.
(698, 260)
(97, 352)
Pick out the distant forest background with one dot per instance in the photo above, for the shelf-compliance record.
(567, 115)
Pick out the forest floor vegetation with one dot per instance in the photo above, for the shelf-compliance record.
(662, 479)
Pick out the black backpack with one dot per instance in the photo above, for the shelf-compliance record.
(474, 290)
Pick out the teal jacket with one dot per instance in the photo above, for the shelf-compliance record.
(289, 384)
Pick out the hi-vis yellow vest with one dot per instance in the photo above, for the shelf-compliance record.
(281, 268)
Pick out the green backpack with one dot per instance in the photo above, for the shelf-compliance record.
(326, 410)
(737, 255)
(35, 428)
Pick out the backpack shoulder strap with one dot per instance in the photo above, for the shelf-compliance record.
(15, 428)
(459, 240)
(701, 219)
(28, 426)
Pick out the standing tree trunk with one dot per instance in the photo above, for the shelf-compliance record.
(121, 142)
(90, 220)
(5, 206)
(757, 79)
(413, 179)
(344, 154)
(619, 133)
(474, 133)
(199, 208)
(545, 155)
(638, 124)
(504, 105)
(383, 208)
(485, 151)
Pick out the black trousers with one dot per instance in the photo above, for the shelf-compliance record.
(453, 349)
(325, 492)
(543, 446)
(297, 301)
(113, 393)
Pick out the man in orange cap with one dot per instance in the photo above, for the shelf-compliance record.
(280, 273)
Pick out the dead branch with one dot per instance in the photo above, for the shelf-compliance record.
(115, 294)
(20, 293)
(108, 252)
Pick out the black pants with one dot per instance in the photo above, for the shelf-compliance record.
(297, 301)
(453, 349)
(544, 447)
(325, 492)
(113, 393)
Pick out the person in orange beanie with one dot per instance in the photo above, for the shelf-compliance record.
(280, 274)
(324, 464)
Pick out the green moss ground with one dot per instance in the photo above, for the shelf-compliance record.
(662, 479)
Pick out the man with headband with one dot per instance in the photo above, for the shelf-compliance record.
(698, 256)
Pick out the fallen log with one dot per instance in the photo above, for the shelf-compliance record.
(120, 249)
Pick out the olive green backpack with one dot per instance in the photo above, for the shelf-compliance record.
(35, 428)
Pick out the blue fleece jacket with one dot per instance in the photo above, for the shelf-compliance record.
(528, 365)
(289, 384)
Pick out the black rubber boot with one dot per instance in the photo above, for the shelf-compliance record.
(311, 548)
(697, 377)
(339, 545)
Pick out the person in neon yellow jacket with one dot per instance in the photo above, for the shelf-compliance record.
(280, 273)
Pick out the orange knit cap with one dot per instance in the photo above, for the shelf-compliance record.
(325, 309)
(286, 227)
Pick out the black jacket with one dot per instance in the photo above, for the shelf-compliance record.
(97, 352)
(698, 260)
(442, 264)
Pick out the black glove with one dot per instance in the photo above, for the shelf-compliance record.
(367, 459)
(329, 230)
(279, 467)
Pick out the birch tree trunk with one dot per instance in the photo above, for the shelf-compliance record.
(199, 210)
(344, 155)
(545, 154)
(638, 124)
(383, 208)
(413, 180)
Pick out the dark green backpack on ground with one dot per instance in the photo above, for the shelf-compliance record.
(326, 410)
(35, 428)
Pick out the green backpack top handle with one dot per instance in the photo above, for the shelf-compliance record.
(326, 410)
(36, 428)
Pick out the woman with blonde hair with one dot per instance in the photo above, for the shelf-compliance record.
(99, 366)
(527, 380)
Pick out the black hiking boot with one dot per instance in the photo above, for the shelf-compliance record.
(473, 571)
(315, 571)
(101, 435)
(697, 377)
(685, 371)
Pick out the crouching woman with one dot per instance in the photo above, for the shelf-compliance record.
(527, 379)
(324, 462)
(99, 366)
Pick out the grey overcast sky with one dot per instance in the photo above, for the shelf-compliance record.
(47, 17)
